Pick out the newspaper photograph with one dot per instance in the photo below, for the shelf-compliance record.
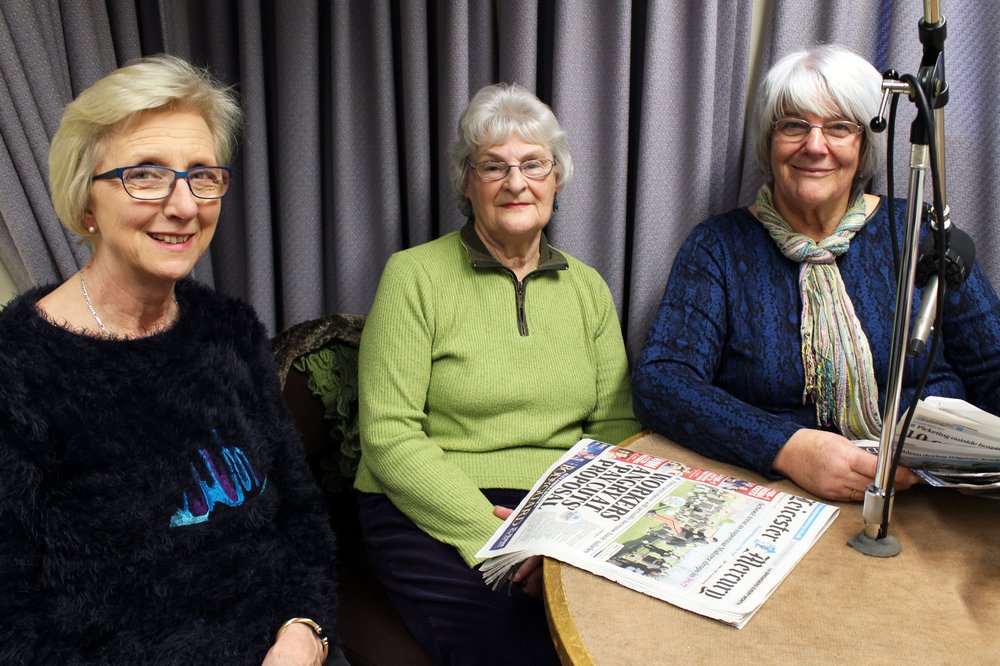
(706, 542)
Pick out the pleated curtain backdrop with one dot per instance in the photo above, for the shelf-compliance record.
(351, 106)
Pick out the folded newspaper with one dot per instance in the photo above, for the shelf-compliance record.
(952, 444)
(709, 543)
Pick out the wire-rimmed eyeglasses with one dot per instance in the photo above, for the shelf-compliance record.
(491, 171)
(149, 183)
(835, 131)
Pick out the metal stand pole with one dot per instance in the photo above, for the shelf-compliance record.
(875, 539)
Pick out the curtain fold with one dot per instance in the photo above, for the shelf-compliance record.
(591, 95)
(695, 84)
(351, 106)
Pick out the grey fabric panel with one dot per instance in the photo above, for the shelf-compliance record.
(23, 191)
(414, 137)
(296, 178)
(590, 96)
(35, 88)
(517, 25)
(695, 77)
(363, 180)
(246, 221)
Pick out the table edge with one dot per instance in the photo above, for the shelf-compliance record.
(569, 644)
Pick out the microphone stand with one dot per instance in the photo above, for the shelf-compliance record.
(930, 88)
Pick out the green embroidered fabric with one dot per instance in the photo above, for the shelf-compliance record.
(333, 377)
(326, 350)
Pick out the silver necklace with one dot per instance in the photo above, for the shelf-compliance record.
(90, 306)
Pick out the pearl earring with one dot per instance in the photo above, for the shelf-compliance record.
(91, 229)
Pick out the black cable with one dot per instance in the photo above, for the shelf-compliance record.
(890, 156)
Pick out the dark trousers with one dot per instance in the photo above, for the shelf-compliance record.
(444, 603)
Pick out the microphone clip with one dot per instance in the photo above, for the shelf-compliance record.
(960, 253)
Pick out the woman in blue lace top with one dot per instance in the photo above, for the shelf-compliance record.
(771, 346)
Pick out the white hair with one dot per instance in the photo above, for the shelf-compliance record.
(495, 114)
(828, 80)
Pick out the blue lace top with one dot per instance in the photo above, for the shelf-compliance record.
(721, 369)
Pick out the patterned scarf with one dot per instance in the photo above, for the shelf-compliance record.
(839, 376)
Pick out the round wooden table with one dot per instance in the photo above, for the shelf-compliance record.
(937, 602)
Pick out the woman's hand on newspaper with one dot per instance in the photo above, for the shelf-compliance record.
(529, 575)
(830, 466)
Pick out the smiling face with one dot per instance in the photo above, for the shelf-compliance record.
(153, 242)
(812, 175)
(514, 209)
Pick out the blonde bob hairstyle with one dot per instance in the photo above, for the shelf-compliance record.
(497, 113)
(156, 83)
(830, 81)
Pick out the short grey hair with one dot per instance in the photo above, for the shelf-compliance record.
(827, 80)
(495, 114)
(155, 83)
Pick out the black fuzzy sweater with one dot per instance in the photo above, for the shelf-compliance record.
(155, 505)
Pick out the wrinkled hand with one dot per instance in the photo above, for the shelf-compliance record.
(829, 466)
(529, 575)
(297, 646)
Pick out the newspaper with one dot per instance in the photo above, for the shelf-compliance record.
(709, 543)
(952, 444)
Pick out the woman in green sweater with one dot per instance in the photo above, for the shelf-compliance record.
(486, 354)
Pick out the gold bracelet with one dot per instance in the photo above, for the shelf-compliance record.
(316, 629)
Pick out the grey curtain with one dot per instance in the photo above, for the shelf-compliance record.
(351, 106)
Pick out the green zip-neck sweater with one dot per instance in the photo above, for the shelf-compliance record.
(469, 379)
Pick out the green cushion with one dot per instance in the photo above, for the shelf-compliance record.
(332, 373)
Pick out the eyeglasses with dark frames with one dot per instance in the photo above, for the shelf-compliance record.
(150, 183)
(491, 170)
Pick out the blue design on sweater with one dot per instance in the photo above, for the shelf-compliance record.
(721, 370)
(85, 500)
(229, 489)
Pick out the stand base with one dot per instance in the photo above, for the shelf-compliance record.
(884, 547)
